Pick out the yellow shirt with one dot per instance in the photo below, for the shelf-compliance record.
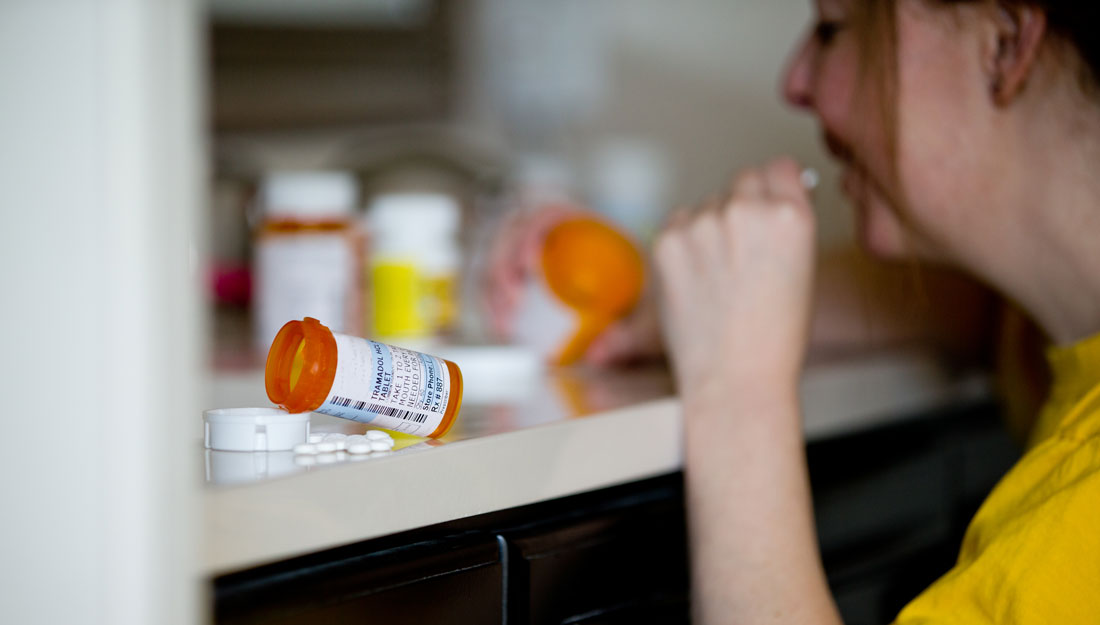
(1032, 552)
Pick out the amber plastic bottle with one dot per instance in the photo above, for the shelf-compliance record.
(312, 369)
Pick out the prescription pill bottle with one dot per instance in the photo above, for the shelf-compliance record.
(308, 252)
(312, 369)
(588, 275)
(414, 264)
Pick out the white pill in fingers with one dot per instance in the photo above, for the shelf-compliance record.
(810, 178)
(359, 448)
(305, 448)
(326, 447)
(381, 445)
(377, 435)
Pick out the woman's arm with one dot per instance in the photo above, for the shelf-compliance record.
(737, 282)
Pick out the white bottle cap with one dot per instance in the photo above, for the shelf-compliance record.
(422, 227)
(254, 429)
(313, 194)
(411, 214)
(630, 184)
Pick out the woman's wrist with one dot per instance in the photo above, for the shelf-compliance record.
(732, 398)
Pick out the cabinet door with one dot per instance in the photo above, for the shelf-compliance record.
(609, 568)
(439, 581)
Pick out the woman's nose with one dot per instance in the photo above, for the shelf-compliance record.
(798, 79)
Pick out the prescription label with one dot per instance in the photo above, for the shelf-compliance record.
(389, 387)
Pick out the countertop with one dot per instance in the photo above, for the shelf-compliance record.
(528, 438)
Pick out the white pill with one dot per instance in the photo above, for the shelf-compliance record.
(359, 448)
(305, 448)
(356, 438)
(380, 446)
(340, 440)
(810, 178)
(305, 461)
(326, 447)
(317, 438)
(335, 436)
(326, 458)
(377, 435)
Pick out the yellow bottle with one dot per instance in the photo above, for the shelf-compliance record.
(414, 265)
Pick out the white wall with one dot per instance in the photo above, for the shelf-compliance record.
(99, 188)
(700, 77)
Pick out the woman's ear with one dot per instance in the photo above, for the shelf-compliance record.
(1017, 37)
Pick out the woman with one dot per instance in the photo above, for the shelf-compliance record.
(969, 132)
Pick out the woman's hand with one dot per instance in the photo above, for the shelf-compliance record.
(513, 258)
(737, 280)
(737, 275)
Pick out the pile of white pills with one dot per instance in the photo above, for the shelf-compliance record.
(327, 448)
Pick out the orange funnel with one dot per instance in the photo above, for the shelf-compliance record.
(595, 270)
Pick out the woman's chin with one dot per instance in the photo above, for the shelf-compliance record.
(878, 229)
(879, 233)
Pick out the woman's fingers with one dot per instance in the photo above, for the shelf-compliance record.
(736, 275)
(749, 185)
(513, 258)
(782, 179)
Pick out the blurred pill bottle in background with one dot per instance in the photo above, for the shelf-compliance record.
(413, 266)
(308, 252)
(313, 369)
(587, 275)
(629, 182)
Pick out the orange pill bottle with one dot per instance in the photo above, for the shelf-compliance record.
(312, 369)
(588, 276)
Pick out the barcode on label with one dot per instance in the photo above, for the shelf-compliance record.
(404, 415)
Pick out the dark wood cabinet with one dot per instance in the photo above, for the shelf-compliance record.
(606, 569)
(451, 579)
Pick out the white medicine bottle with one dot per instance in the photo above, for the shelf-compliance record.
(414, 265)
(308, 254)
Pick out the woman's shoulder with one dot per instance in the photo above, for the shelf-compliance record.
(1031, 553)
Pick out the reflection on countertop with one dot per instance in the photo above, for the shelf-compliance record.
(518, 402)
